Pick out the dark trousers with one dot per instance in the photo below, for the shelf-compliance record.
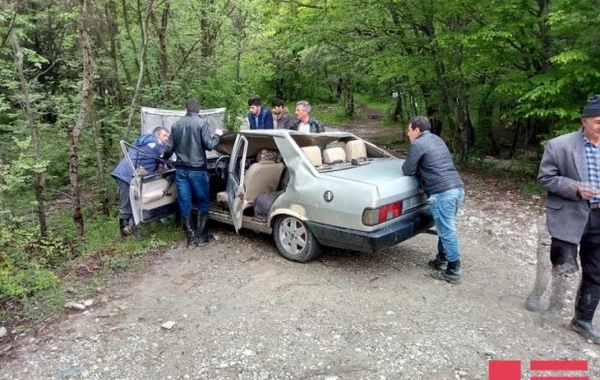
(562, 252)
(192, 185)
(124, 201)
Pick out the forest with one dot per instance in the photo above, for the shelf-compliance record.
(498, 78)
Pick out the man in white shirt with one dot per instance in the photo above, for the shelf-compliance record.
(306, 123)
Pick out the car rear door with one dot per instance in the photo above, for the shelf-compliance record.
(236, 193)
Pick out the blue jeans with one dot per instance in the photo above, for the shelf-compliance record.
(444, 207)
(192, 184)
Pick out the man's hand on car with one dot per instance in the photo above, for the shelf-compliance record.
(219, 132)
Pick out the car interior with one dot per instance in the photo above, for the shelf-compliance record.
(266, 171)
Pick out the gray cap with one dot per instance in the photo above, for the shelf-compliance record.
(592, 108)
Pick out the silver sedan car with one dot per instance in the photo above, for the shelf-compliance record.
(307, 190)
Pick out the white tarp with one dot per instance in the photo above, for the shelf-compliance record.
(156, 117)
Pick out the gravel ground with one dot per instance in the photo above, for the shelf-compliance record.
(243, 312)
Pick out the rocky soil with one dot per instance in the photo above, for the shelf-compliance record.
(236, 310)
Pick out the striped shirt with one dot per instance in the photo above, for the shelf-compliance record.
(592, 156)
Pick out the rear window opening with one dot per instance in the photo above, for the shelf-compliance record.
(329, 153)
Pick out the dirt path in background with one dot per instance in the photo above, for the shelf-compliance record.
(243, 312)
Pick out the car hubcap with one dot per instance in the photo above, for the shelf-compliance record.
(292, 235)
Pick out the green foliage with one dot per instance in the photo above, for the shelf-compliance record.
(330, 114)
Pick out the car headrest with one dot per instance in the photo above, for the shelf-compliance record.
(266, 156)
(313, 153)
(355, 149)
(334, 155)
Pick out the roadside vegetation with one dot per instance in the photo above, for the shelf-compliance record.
(497, 78)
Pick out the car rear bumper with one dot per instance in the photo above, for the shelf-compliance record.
(372, 241)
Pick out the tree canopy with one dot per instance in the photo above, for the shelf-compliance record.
(497, 77)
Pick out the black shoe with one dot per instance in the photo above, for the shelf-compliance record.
(586, 302)
(585, 329)
(189, 231)
(451, 274)
(438, 263)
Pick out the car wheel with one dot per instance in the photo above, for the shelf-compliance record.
(294, 240)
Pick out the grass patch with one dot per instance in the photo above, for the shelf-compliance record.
(37, 276)
(384, 106)
(330, 114)
(533, 188)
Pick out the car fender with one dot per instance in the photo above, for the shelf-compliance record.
(297, 211)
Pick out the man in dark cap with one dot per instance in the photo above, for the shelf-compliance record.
(190, 139)
(570, 171)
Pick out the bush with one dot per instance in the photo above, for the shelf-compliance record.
(24, 280)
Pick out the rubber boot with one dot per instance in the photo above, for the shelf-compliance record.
(451, 274)
(586, 302)
(202, 234)
(124, 227)
(189, 231)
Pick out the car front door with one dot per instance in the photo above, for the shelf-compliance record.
(152, 196)
(236, 193)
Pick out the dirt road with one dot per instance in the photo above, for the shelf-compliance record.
(243, 312)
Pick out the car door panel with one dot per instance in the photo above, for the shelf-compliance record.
(235, 181)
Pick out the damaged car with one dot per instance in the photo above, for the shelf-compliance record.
(307, 190)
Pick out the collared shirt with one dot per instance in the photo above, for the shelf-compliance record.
(591, 157)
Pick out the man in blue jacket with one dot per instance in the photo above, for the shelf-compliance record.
(149, 147)
(259, 117)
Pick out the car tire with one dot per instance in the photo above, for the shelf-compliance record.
(294, 240)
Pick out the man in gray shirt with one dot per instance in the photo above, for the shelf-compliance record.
(430, 160)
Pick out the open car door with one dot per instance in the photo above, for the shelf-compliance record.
(152, 196)
(236, 193)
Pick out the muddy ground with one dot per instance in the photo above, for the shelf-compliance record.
(243, 312)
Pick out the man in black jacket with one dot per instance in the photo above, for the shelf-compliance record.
(305, 122)
(190, 139)
(429, 159)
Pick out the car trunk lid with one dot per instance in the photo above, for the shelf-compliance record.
(386, 175)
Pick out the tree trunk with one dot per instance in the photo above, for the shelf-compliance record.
(144, 24)
(208, 29)
(104, 199)
(398, 110)
(113, 29)
(128, 29)
(86, 95)
(39, 179)
(140, 78)
(163, 60)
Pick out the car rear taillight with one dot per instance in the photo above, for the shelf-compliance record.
(374, 216)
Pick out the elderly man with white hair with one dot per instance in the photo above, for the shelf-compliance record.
(305, 123)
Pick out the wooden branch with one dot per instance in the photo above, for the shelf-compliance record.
(184, 59)
(10, 28)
